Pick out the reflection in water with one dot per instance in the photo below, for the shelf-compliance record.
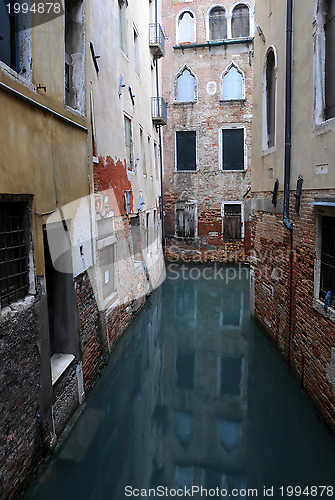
(195, 394)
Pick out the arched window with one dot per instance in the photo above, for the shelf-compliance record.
(217, 24)
(232, 84)
(270, 98)
(185, 86)
(329, 28)
(186, 27)
(240, 23)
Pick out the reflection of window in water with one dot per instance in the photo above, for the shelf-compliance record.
(210, 479)
(184, 369)
(231, 375)
(230, 434)
(184, 427)
(183, 477)
(231, 309)
(230, 483)
(185, 303)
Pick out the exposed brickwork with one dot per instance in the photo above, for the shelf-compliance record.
(93, 347)
(20, 438)
(208, 186)
(312, 334)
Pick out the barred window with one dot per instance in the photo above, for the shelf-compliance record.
(217, 24)
(232, 221)
(14, 252)
(240, 22)
(327, 281)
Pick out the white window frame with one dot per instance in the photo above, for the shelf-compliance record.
(178, 37)
(102, 243)
(236, 202)
(226, 71)
(230, 17)
(178, 75)
(129, 117)
(245, 149)
(207, 27)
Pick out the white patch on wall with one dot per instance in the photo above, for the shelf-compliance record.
(321, 169)
(330, 373)
(211, 88)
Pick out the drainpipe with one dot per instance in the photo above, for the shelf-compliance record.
(160, 139)
(288, 147)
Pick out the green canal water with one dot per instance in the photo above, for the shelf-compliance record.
(195, 402)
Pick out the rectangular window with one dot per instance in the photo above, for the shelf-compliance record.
(128, 134)
(233, 149)
(14, 252)
(143, 156)
(74, 55)
(186, 150)
(329, 62)
(106, 254)
(232, 221)
(184, 369)
(185, 222)
(136, 237)
(136, 53)
(231, 374)
(327, 281)
(9, 35)
(122, 4)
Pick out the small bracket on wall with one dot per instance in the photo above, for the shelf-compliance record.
(132, 96)
(41, 87)
(94, 57)
(121, 85)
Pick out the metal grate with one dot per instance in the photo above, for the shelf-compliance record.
(14, 264)
(327, 257)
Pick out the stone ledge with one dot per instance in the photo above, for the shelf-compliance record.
(59, 363)
(319, 307)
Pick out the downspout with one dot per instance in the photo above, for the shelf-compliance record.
(160, 139)
(288, 147)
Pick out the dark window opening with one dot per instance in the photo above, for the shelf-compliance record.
(232, 222)
(233, 149)
(184, 369)
(61, 298)
(74, 61)
(270, 98)
(217, 24)
(231, 374)
(330, 60)
(240, 22)
(9, 35)
(14, 252)
(186, 150)
(185, 220)
(327, 281)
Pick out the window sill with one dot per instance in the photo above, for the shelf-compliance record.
(269, 151)
(186, 171)
(241, 171)
(324, 126)
(59, 363)
(124, 55)
(233, 101)
(319, 307)
(184, 103)
(14, 75)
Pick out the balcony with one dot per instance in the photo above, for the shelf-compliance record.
(156, 40)
(158, 111)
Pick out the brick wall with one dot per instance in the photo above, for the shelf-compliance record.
(308, 348)
(208, 186)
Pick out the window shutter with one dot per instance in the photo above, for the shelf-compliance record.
(232, 222)
(233, 149)
(186, 150)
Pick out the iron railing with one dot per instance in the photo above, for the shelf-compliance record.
(159, 110)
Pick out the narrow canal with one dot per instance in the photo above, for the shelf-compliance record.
(195, 395)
